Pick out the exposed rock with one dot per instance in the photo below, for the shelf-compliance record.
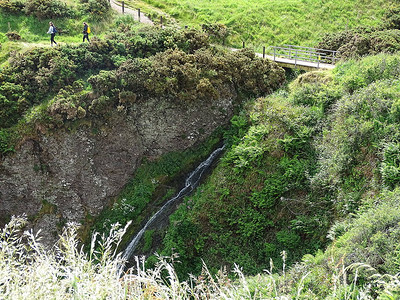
(80, 171)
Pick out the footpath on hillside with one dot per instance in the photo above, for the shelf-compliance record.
(291, 63)
(134, 13)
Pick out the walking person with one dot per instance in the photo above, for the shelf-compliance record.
(86, 31)
(52, 31)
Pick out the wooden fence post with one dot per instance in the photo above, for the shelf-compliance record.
(138, 12)
(263, 51)
(161, 20)
(243, 44)
(123, 7)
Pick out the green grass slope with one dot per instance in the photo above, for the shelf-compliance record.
(267, 23)
(312, 166)
(24, 24)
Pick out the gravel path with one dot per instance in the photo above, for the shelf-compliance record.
(135, 13)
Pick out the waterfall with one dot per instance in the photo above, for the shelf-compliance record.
(190, 184)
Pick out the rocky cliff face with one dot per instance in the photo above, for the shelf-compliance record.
(64, 175)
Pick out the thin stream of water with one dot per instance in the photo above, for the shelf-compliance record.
(191, 183)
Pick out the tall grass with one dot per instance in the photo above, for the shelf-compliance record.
(266, 22)
(29, 271)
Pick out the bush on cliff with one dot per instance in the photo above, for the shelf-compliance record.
(363, 41)
(125, 68)
(38, 74)
(96, 9)
(13, 7)
(204, 75)
(48, 9)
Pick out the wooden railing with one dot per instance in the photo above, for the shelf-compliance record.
(298, 53)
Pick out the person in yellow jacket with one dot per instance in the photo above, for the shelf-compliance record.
(86, 31)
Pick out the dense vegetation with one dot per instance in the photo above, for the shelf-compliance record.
(319, 157)
(50, 86)
(269, 23)
(28, 20)
(68, 272)
(366, 40)
(310, 177)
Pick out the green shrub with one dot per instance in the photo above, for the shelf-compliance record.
(12, 103)
(238, 128)
(47, 9)
(188, 77)
(8, 112)
(390, 167)
(362, 42)
(373, 236)
(96, 8)
(217, 31)
(360, 123)
(148, 240)
(289, 239)
(67, 104)
(315, 89)
(13, 36)
(12, 6)
(99, 105)
(392, 17)
(6, 143)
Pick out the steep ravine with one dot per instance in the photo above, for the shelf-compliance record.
(65, 175)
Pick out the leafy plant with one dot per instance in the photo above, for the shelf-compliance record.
(6, 144)
(390, 167)
(96, 8)
(47, 9)
(12, 6)
(13, 36)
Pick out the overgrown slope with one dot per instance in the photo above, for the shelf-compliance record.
(77, 120)
(301, 160)
(269, 23)
(333, 161)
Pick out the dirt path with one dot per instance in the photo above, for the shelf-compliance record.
(134, 13)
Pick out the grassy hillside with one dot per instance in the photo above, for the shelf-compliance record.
(44, 89)
(24, 24)
(314, 166)
(301, 164)
(268, 23)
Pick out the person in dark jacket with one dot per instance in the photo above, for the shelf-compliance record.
(85, 32)
(52, 31)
